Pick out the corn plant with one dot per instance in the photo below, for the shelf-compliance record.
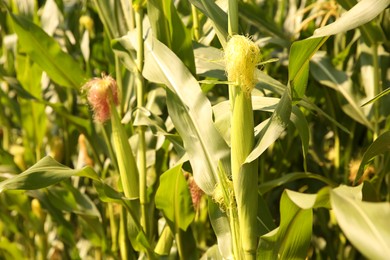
(194, 129)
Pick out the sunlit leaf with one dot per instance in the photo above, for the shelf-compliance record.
(212, 253)
(274, 127)
(190, 112)
(298, 67)
(365, 224)
(216, 15)
(221, 227)
(174, 199)
(112, 16)
(361, 13)
(170, 30)
(377, 97)
(44, 173)
(47, 53)
(326, 74)
(291, 239)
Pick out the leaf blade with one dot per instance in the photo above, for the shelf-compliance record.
(47, 53)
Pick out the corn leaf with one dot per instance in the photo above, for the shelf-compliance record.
(216, 15)
(256, 16)
(298, 67)
(302, 126)
(44, 173)
(174, 199)
(191, 114)
(324, 72)
(220, 224)
(269, 185)
(47, 53)
(190, 111)
(377, 97)
(170, 30)
(273, 128)
(361, 13)
(365, 224)
(291, 239)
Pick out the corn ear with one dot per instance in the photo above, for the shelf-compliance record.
(127, 167)
(244, 175)
(241, 57)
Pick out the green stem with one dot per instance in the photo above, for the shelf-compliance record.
(233, 17)
(141, 155)
(119, 81)
(232, 29)
(113, 228)
(123, 241)
(103, 18)
(377, 130)
(245, 177)
(195, 21)
(377, 90)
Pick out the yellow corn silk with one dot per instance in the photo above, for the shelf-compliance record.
(242, 56)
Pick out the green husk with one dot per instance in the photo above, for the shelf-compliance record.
(127, 167)
(242, 56)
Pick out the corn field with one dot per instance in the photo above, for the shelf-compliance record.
(194, 129)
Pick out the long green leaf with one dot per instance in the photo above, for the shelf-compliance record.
(365, 224)
(216, 15)
(377, 97)
(302, 126)
(190, 111)
(174, 199)
(47, 53)
(33, 117)
(274, 127)
(44, 173)
(170, 30)
(324, 72)
(269, 185)
(298, 67)
(291, 239)
(221, 227)
(71, 199)
(360, 14)
(191, 114)
(371, 31)
(112, 16)
(302, 51)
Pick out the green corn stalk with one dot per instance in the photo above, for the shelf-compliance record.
(141, 156)
(242, 56)
(244, 175)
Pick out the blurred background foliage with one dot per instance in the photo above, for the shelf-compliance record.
(49, 49)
